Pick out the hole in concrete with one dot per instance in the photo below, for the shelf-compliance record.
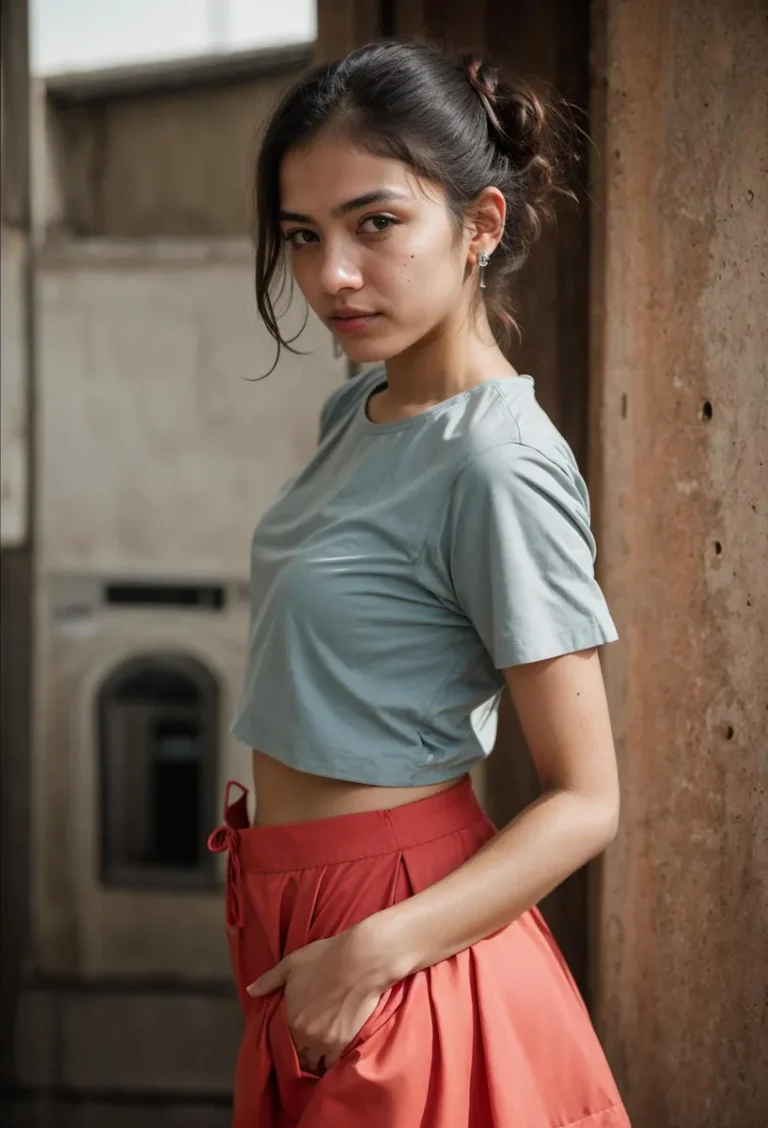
(729, 733)
(624, 407)
(718, 548)
(706, 410)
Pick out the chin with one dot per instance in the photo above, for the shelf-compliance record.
(372, 350)
(364, 352)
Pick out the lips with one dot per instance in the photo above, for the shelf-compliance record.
(352, 321)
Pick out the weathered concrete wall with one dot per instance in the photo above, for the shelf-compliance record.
(681, 410)
(146, 410)
(156, 457)
(175, 161)
(82, 927)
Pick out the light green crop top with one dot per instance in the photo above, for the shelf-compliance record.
(401, 570)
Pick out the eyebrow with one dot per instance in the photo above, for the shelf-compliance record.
(380, 196)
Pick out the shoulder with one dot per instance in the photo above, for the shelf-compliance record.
(502, 422)
(525, 465)
(538, 439)
(523, 447)
(514, 460)
(530, 499)
(345, 399)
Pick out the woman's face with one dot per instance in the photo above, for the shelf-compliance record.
(373, 249)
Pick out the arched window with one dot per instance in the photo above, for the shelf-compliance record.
(158, 725)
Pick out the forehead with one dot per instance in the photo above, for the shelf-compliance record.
(320, 176)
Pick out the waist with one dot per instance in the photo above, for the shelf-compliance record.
(363, 834)
(286, 794)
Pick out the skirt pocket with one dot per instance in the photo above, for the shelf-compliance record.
(389, 1003)
(296, 1084)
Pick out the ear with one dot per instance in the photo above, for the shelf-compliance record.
(486, 226)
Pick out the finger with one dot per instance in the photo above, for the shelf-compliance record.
(268, 982)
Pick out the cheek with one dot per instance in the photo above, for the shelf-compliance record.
(426, 278)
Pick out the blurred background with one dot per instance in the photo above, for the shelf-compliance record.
(137, 456)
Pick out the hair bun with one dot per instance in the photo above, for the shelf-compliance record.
(515, 112)
(528, 115)
(483, 78)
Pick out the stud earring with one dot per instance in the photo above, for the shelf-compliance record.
(483, 259)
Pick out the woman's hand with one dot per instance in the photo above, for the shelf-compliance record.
(332, 988)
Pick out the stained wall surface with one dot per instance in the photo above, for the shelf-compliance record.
(680, 478)
(157, 455)
(164, 150)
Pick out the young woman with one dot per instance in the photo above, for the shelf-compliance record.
(436, 547)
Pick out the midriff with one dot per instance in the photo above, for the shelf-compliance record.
(286, 795)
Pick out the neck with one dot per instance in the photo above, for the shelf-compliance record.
(455, 356)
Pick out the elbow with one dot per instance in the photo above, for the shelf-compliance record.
(607, 824)
(611, 830)
(599, 821)
(595, 819)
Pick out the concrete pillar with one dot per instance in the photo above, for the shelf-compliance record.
(679, 475)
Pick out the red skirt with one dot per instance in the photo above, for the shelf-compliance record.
(494, 1037)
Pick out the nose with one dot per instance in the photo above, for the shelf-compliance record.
(338, 270)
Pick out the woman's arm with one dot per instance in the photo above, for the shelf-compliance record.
(562, 708)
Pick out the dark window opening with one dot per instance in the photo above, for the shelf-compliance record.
(158, 719)
(176, 785)
(166, 595)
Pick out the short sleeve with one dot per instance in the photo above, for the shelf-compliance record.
(521, 556)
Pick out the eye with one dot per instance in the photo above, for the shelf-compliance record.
(381, 223)
(297, 237)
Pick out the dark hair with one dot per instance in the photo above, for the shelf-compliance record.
(453, 120)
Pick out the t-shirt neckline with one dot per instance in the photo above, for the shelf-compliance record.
(428, 412)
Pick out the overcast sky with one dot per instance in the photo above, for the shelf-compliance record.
(80, 34)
